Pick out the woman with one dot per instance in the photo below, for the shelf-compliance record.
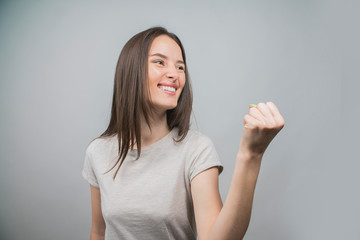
(153, 178)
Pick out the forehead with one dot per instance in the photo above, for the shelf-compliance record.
(165, 45)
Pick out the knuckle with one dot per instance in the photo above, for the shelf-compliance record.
(262, 126)
(282, 124)
(273, 124)
(282, 121)
(268, 128)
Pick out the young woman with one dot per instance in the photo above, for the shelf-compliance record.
(153, 178)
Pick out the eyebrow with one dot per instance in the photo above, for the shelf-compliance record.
(165, 57)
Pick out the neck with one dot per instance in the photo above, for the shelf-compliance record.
(159, 129)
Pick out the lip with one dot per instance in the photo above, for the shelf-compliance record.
(167, 85)
(173, 85)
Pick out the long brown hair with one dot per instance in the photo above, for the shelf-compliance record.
(131, 95)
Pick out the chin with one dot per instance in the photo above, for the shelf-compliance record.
(164, 108)
(168, 105)
(171, 107)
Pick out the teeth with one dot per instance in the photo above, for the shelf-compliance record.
(171, 89)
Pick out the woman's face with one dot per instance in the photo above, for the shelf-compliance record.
(166, 73)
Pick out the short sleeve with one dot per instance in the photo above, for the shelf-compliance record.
(204, 157)
(88, 171)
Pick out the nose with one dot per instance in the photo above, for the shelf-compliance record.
(172, 73)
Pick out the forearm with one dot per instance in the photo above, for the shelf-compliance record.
(234, 217)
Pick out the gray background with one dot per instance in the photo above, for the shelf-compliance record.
(57, 64)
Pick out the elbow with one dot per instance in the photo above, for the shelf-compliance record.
(97, 232)
(95, 236)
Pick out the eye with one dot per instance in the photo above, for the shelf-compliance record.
(181, 68)
(159, 62)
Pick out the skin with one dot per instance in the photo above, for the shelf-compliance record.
(97, 224)
(231, 220)
(213, 219)
(165, 66)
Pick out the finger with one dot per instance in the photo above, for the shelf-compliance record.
(264, 109)
(274, 110)
(266, 112)
(253, 111)
(276, 113)
(250, 121)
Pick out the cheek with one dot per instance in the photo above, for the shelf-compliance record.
(153, 74)
(182, 82)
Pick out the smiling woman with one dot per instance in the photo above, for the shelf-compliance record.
(166, 73)
(144, 63)
(153, 178)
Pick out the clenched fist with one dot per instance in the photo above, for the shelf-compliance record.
(261, 125)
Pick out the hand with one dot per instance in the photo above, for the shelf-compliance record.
(261, 125)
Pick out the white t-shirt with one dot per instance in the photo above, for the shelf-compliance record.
(150, 198)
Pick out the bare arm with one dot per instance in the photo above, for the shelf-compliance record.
(228, 222)
(215, 221)
(233, 219)
(97, 223)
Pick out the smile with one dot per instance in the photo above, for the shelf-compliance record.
(167, 89)
(171, 89)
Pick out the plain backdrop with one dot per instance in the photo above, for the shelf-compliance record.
(57, 65)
